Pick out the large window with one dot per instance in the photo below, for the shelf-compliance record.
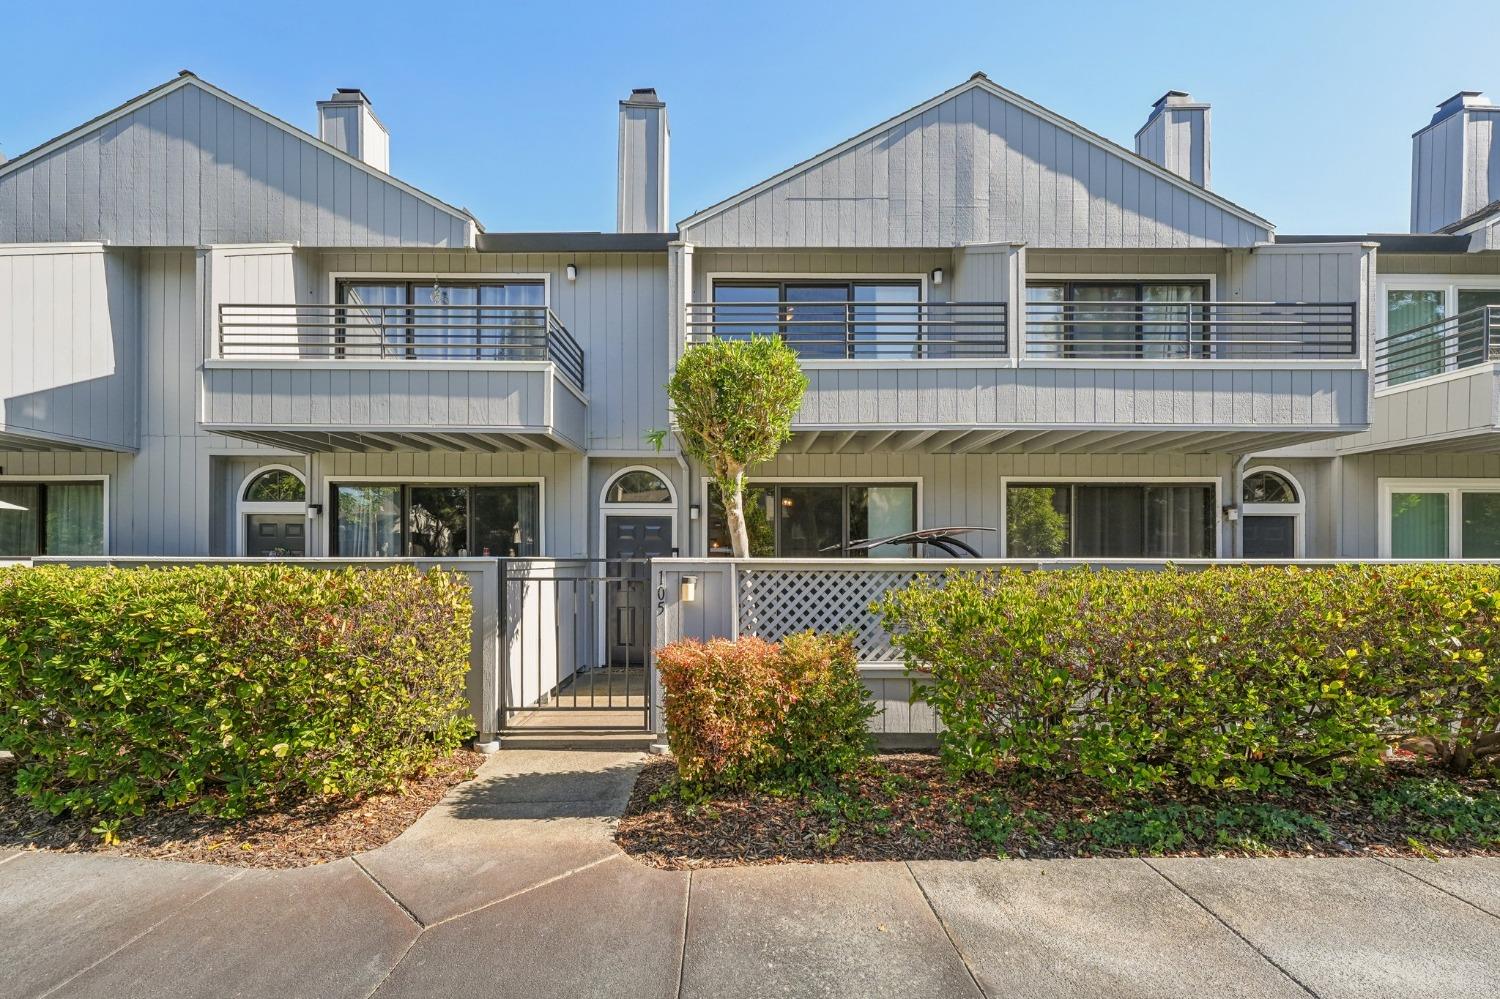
(824, 319)
(1116, 319)
(456, 320)
(380, 520)
(1440, 520)
(51, 518)
(1110, 520)
(818, 520)
(1433, 326)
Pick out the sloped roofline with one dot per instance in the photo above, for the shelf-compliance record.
(188, 78)
(981, 82)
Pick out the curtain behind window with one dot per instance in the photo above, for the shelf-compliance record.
(1419, 525)
(18, 527)
(75, 518)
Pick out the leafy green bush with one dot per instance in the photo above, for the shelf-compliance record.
(1232, 677)
(746, 712)
(226, 688)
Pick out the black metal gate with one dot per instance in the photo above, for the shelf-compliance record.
(575, 636)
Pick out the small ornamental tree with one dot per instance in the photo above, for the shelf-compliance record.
(734, 401)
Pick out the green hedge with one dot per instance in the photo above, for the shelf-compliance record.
(226, 688)
(746, 712)
(1232, 677)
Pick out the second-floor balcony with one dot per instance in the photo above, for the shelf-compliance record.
(1054, 374)
(395, 377)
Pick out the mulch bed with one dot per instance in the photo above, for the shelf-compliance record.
(312, 831)
(904, 807)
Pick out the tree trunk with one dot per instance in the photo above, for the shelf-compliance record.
(734, 513)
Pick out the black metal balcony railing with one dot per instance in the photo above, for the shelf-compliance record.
(1191, 330)
(863, 330)
(1462, 341)
(400, 332)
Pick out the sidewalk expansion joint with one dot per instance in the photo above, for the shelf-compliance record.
(388, 894)
(529, 888)
(144, 933)
(1438, 887)
(687, 911)
(952, 941)
(1224, 923)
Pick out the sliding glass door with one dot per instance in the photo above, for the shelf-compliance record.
(440, 520)
(51, 518)
(443, 320)
(1111, 520)
(825, 319)
(1117, 319)
(818, 520)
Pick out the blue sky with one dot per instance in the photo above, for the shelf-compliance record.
(510, 109)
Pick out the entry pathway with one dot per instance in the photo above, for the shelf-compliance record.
(513, 887)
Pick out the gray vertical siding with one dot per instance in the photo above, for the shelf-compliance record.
(1422, 412)
(190, 168)
(1359, 520)
(975, 167)
(616, 310)
(70, 343)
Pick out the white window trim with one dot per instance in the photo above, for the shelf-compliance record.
(1217, 482)
(1449, 285)
(1297, 510)
(329, 481)
(1453, 488)
(44, 479)
(286, 508)
(705, 481)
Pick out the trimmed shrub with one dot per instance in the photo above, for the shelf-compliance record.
(747, 712)
(227, 689)
(1232, 677)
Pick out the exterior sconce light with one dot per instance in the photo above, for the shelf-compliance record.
(572, 271)
(314, 511)
(693, 512)
(688, 589)
(1231, 513)
(937, 276)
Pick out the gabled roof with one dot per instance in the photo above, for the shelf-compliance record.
(980, 81)
(1472, 219)
(187, 78)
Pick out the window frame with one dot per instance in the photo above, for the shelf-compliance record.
(338, 279)
(1450, 286)
(846, 481)
(1215, 483)
(43, 480)
(405, 483)
(1453, 488)
(714, 279)
(1068, 282)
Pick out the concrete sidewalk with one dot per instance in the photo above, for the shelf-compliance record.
(513, 887)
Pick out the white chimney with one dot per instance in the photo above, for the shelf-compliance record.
(645, 138)
(1176, 137)
(1454, 167)
(347, 121)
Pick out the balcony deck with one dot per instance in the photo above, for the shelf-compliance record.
(396, 378)
(1072, 377)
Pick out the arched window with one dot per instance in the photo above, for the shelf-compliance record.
(1269, 487)
(638, 485)
(275, 485)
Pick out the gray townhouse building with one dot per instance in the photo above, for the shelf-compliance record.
(223, 335)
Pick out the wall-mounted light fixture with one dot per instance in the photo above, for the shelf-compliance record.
(937, 276)
(688, 589)
(693, 512)
(1231, 513)
(314, 511)
(572, 271)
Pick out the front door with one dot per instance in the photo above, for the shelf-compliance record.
(1269, 536)
(275, 534)
(627, 601)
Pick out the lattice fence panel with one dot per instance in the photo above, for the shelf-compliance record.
(775, 603)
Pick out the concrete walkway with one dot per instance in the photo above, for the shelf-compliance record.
(513, 887)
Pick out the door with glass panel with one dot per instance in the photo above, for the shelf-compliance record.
(51, 518)
(1117, 319)
(1110, 520)
(826, 319)
(438, 520)
(1414, 338)
(442, 320)
(819, 520)
(1475, 346)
